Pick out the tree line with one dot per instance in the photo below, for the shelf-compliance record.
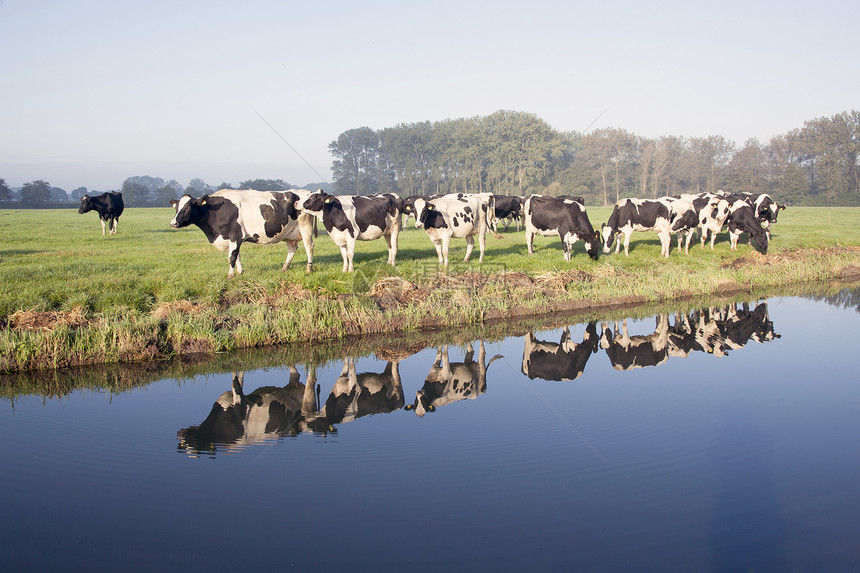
(516, 153)
(137, 191)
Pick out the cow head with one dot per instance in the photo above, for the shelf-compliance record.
(188, 210)
(608, 237)
(686, 221)
(592, 245)
(422, 405)
(86, 204)
(316, 202)
(776, 210)
(759, 239)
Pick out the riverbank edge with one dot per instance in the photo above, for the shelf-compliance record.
(33, 340)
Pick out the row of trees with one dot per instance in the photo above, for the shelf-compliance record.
(137, 191)
(518, 153)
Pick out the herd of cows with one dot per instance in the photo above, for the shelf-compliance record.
(238, 419)
(231, 217)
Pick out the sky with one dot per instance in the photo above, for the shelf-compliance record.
(93, 92)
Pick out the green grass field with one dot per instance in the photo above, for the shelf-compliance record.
(58, 261)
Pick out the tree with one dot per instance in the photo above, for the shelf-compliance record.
(36, 192)
(5, 192)
(58, 194)
(265, 185)
(135, 193)
(746, 171)
(355, 161)
(77, 194)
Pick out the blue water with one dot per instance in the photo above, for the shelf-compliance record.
(741, 458)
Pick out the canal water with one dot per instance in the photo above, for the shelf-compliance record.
(715, 438)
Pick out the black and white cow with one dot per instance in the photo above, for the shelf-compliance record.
(453, 216)
(231, 217)
(508, 208)
(561, 362)
(108, 205)
(742, 219)
(562, 217)
(630, 215)
(627, 352)
(684, 220)
(355, 395)
(449, 382)
(350, 218)
(237, 420)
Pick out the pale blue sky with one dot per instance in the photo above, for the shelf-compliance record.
(92, 92)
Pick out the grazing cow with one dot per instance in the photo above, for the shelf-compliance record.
(231, 217)
(449, 382)
(630, 215)
(684, 220)
(742, 219)
(562, 217)
(361, 394)
(561, 362)
(509, 209)
(627, 352)
(108, 205)
(453, 216)
(354, 218)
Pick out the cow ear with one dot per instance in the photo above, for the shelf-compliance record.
(203, 199)
(328, 199)
(408, 407)
(430, 206)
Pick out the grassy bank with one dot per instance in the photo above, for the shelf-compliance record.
(69, 296)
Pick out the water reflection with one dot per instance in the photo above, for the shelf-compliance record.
(449, 382)
(714, 330)
(238, 419)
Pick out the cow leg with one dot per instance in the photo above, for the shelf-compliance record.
(665, 243)
(482, 243)
(350, 253)
(733, 239)
(235, 264)
(292, 247)
(345, 256)
(446, 243)
(627, 235)
(565, 246)
(438, 244)
(470, 244)
(102, 221)
(713, 238)
(307, 225)
(391, 239)
(530, 241)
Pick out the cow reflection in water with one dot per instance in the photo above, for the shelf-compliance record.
(238, 419)
(449, 382)
(560, 362)
(356, 395)
(715, 331)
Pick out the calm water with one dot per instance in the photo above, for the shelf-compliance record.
(722, 439)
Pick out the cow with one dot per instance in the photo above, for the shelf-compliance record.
(108, 205)
(627, 352)
(449, 382)
(564, 361)
(562, 217)
(237, 420)
(409, 204)
(630, 215)
(453, 216)
(742, 219)
(509, 209)
(231, 217)
(684, 220)
(351, 218)
(361, 394)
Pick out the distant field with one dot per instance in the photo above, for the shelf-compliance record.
(59, 260)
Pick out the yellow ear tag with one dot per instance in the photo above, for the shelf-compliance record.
(328, 200)
(203, 202)
(429, 207)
